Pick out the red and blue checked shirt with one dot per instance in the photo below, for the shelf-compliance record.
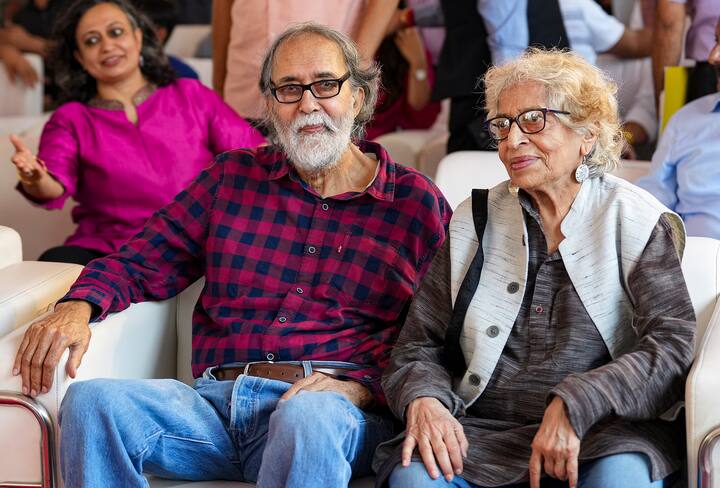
(290, 276)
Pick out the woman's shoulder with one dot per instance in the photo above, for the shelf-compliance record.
(188, 86)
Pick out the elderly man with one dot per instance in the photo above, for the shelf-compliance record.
(312, 250)
(684, 172)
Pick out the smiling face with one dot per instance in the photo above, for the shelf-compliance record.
(313, 132)
(108, 45)
(545, 161)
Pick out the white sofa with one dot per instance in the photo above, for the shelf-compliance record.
(152, 340)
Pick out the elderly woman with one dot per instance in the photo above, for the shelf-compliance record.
(129, 137)
(558, 349)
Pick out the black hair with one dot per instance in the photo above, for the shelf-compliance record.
(163, 13)
(73, 82)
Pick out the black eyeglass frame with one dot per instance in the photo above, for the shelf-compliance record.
(544, 111)
(309, 87)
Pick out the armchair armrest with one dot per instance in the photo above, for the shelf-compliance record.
(10, 246)
(139, 342)
(27, 289)
(702, 394)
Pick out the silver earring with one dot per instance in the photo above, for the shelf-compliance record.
(582, 171)
(142, 61)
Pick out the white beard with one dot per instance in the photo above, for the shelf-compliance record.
(315, 153)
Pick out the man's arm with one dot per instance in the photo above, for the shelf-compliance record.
(634, 43)
(373, 26)
(667, 40)
(221, 25)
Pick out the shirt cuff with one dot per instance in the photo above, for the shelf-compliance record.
(99, 301)
(584, 404)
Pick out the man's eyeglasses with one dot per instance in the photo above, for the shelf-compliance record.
(294, 92)
(530, 122)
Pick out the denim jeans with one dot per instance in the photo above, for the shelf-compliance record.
(112, 431)
(630, 469)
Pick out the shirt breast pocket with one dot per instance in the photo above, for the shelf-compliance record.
(367, 271)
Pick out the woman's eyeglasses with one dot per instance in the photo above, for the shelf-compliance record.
(530, 122)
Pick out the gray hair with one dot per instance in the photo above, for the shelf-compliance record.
(365, 78)
(573, 85)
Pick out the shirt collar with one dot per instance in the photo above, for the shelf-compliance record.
(382, 188)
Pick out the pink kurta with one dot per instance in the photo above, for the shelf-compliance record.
(256, 24)
(120, 173)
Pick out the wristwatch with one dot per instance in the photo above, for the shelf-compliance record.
(420, 74)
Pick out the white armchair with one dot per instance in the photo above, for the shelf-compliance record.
(148, 340)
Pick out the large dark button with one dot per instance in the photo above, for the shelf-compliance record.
(282, 320)
(270, 356)
(513, 287)
(493, 331)
(474, 379)
(325, 206)
(312, 249)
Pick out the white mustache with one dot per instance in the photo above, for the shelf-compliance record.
(315, 118)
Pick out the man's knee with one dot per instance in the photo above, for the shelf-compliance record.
(317, 412)
(87, 398)
(618, 471)
(414, 476)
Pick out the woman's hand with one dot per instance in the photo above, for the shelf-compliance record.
(438, 436)
(555, 447)
(410, 44)
(28, 166)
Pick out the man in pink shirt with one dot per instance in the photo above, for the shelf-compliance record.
(244, 29)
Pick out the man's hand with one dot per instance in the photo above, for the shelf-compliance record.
(358, 394)
(555, 446)
(46, 340)
(438, 435)
(17, 66)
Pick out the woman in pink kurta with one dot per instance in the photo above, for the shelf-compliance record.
(133, 138)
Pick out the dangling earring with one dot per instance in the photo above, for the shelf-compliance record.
(142, 61)
(583, 171)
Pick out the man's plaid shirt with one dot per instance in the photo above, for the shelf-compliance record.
(289, 275)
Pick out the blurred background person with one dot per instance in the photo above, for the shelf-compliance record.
(669, 38)
(164, 16)
(244, 29)
(407, 75)
(129, 136)
(684, 174)
(636, 99)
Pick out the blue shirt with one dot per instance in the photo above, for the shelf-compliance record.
(685, 174)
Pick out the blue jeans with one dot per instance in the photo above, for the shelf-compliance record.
(630, 469)
(112, 431)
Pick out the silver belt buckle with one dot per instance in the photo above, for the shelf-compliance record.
(246, 369)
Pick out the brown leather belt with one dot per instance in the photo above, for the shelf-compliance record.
(289, 373)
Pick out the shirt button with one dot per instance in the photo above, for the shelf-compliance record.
(474, 379)
(282, 320)
(312, 249)
(367, 377)
(513, 287)
(270, 356)
(539, 309)
(299, 290)
(493, 331)
(325, 206)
